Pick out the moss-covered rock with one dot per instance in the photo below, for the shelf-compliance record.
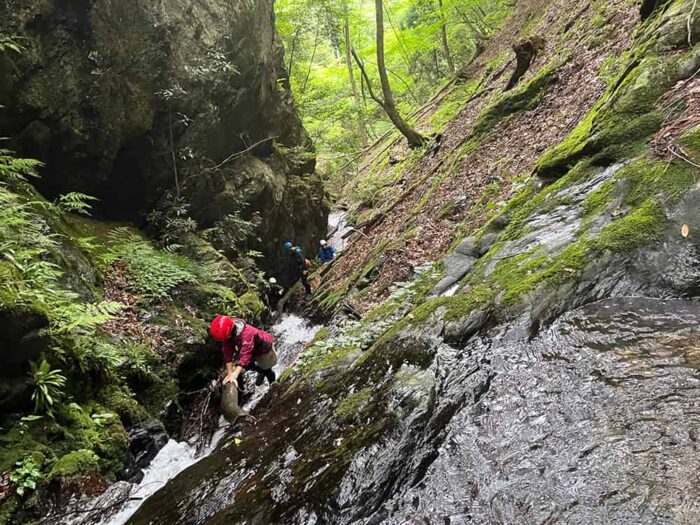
(350, 408)
(626, 116)
(75, 463)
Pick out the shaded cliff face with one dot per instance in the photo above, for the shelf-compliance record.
(124, 100)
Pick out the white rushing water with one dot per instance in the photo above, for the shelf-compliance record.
(172, 459)
(291, 334)
(337, 228)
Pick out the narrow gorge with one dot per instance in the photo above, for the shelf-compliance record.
(509, 332)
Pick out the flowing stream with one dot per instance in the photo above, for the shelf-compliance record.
(123, 499)
(338, 227)
(594, 420)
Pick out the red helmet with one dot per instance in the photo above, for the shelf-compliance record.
(222, 328)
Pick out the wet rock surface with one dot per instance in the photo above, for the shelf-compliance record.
(590, 421)
(144, 444)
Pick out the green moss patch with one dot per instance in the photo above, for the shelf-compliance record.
(452, 105)
(643, 225)
(526, 96)
(351, 408)
(75, 463)
(619, 125)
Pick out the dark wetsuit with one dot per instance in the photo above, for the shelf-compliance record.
(301, 271)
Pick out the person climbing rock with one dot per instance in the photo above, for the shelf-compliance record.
(301, 266)
(245, 348)
(274, 296)
(326, 252)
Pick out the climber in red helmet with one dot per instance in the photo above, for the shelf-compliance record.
(245, 348)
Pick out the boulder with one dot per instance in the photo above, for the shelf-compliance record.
(144, 444)
(21, 341)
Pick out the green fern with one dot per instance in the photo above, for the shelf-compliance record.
(49, 385)
(28, 274)
(154, 273)
(82, 318)
(9, 44)
(75, 202)
(137, 363)
(13, 169)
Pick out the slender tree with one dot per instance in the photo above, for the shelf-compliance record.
(415, 139)
(443, 35)
(362, 127)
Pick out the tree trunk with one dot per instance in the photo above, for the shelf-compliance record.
(292, 50)
(313, 57)
(445, 44)
(525, 53)
(353, 84)
(415, 140)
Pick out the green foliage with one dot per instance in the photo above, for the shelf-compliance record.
(49, 386)
(26, 474)
(75, 463)
(9, 44)
(75, 203)
(137, 364)
(231, 234)
(155, 273)
(89, 356)
(90, 427)
(102, 420)
(13, 169)
(171, 221)
(83, 318)
(28, 274)
(340, 120)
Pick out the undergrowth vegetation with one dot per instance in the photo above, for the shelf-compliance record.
(97, 314)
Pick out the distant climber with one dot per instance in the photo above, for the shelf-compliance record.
(301, 266)
(326, 253)
(245, 348)
(274, 296)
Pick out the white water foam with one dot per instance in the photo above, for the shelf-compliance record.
(291, 333)
(292, 330)
(172, 459)
(337, 227)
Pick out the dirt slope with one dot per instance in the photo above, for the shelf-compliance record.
(423, 201)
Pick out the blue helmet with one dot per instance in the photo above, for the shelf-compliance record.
(288, 246)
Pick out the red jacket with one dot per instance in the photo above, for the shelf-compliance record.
(251, 342)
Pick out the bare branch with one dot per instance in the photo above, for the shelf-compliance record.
(361, 65)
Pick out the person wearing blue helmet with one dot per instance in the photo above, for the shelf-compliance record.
(301, 265)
